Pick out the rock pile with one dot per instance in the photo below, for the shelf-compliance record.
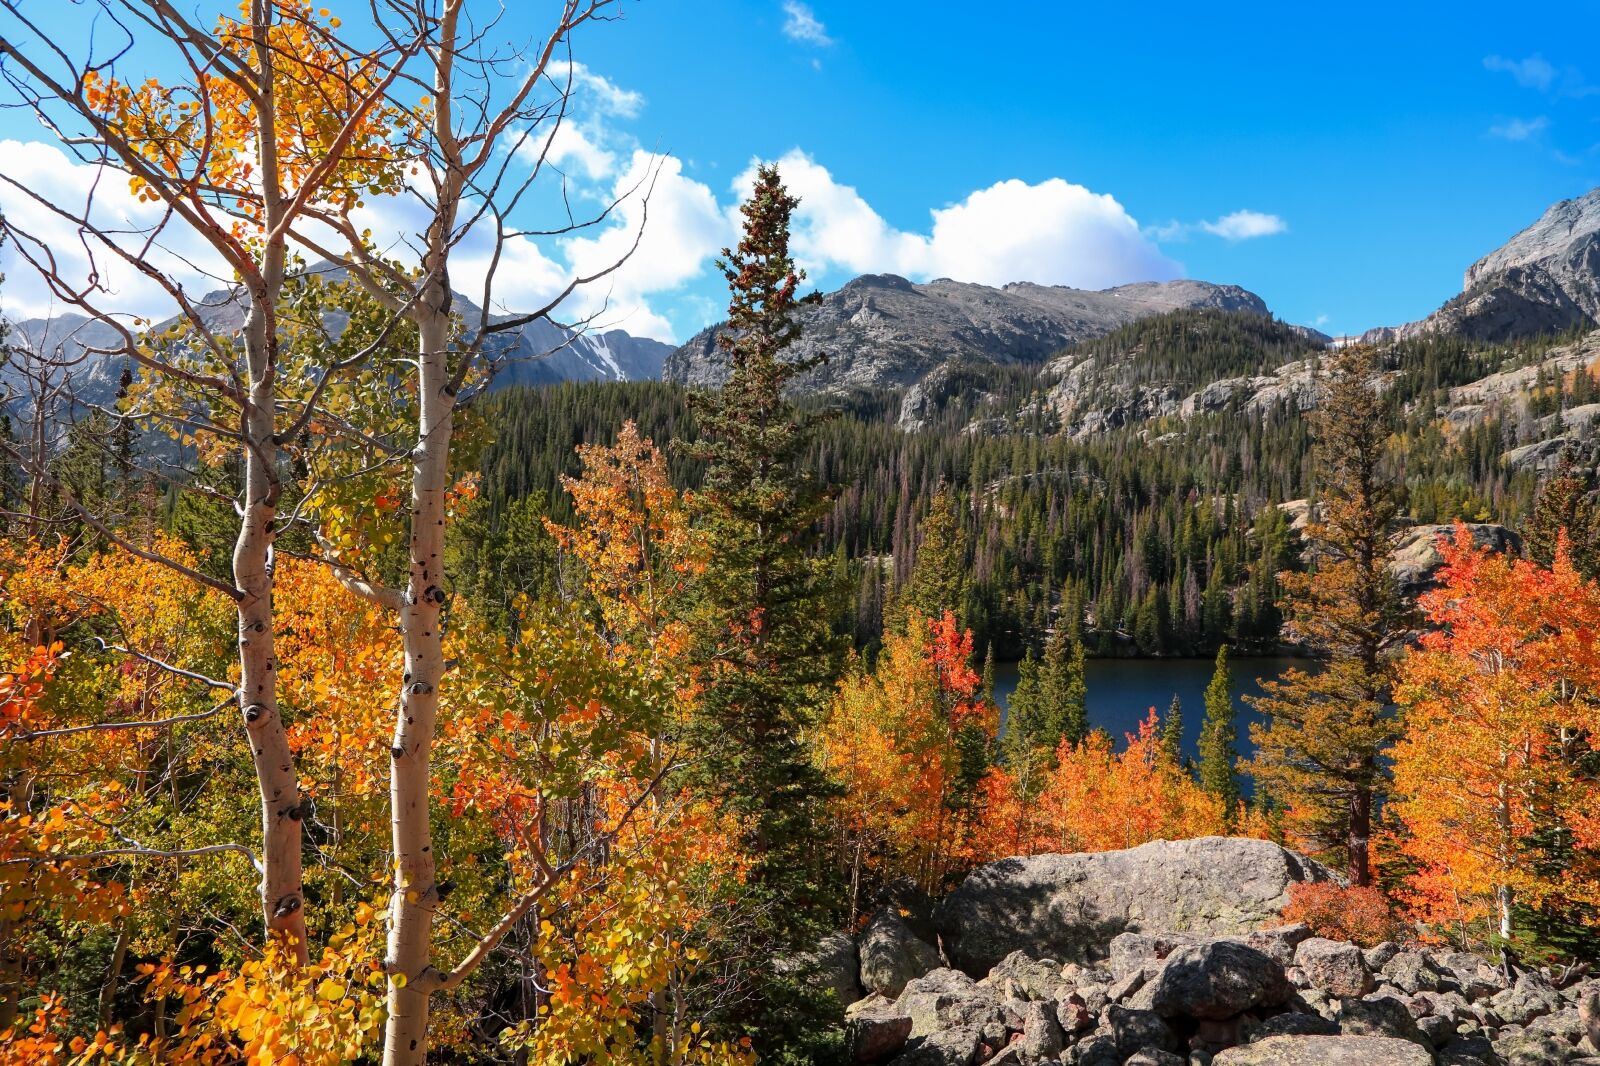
(1179, 979)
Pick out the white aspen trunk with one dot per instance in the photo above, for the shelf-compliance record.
(415, 890)
(282, 807)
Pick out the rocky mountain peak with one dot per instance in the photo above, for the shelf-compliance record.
(1546, 279)
(1566, 227)
(883, 331)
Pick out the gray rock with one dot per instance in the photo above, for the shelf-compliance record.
(1096, 1049)
(1280, 942)
(1155, 1057)
(876, 1037)
(1218, 980)
(1439, 1031)
(1126, 985)
(1334, 966)
(1134, 1030)
(1041, 1033)
(1533, 1049)
(1032, 978)
(1589, 1014)
(1411, 972)
(1073, 1014)
(1470, 1051)
(1378, 956)
(891, 954)
(1415, 557)
(1379, 1016)
(834, 965)
(1531, 997)
(948, 1047)
(1290, 1023)
(1326, 1051)
(945, 998)
(1069, 906)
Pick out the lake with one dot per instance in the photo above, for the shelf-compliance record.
(1122, 691)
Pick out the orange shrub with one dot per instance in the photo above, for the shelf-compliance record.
(1360, 914)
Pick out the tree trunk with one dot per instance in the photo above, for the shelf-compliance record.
(415, 891)
(282, 808)
(1360, 838)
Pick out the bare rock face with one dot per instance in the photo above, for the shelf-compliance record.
(1071, 906)
(1543, 280)
(892, 954)
(882, 331)
(1326, 1051)
(1416, 558)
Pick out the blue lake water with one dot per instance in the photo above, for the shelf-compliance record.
(1122, 691)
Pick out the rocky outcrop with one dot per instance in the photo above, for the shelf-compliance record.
(1546, 279)
(1071, 906)
(1241, 991)
(1326, 1051)
(1416, 559)
(882, 331)
(892, 954)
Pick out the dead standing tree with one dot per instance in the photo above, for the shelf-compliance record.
(269, 119)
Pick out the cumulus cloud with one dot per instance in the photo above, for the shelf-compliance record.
(102, 192)
(1053, 232)
(596, 90)
(801, 24)
(1520, 129)
(683, 228)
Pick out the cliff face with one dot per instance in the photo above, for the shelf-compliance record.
(882, 331)
(1543, 280)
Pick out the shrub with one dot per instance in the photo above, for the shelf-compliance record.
(1361, 914)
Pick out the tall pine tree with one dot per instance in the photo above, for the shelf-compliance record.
(1320, 756)
(1219, 735)
(764, 648)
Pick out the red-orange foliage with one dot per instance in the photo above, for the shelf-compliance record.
(892, 739)
(1498, 705)
(1360, 914)
(1097, 799)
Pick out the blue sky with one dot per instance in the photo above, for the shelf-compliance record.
(1346, 162)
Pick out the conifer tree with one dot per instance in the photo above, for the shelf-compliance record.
(764, 647)
(1218, 735)
(1320, 756)
(1566, 502)
(1172, 732)
(1063, 692)
(938, 581)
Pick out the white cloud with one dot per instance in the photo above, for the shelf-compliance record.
(683, 230)
(1321, 320)
(76, 187)
(572, 144)
(1520, 129)
(1534, 72)
(802, 24)
(1238, 226)
(1245, 225)
(1053, 233)
(597, 90)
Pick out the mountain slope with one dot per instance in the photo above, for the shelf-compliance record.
(1546, 279)
(882, 331)
(538, 353)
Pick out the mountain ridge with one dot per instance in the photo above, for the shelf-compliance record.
(884, 331)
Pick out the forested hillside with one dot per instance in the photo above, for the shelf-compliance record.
(1163, 531)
